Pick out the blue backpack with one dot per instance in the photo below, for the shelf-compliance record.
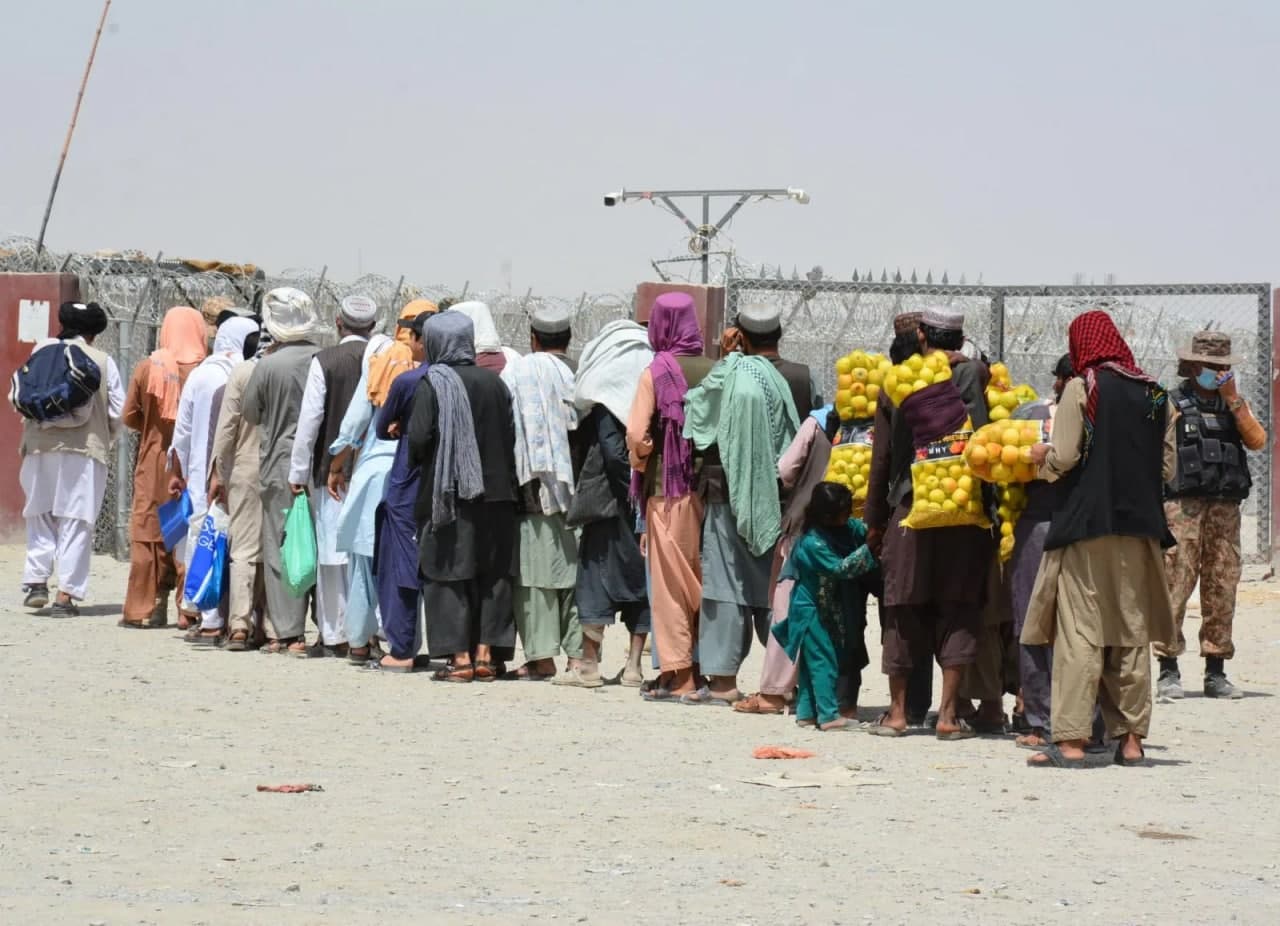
(54, 382)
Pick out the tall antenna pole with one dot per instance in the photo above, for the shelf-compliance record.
(75, 114)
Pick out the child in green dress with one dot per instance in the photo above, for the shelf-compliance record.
(822, 629)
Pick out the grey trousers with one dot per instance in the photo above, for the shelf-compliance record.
(724, 635)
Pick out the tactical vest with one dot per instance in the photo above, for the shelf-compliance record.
(1211, 456)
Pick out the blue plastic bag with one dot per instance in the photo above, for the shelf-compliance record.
(175, 517)
(208, 574)
(298, 554)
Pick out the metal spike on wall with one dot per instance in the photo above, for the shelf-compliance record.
(855, 276)
(928, 277)
(944, 278)
(884, 276)
(897, 275)
(962, 280)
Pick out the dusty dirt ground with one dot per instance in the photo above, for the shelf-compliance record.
(130, 761)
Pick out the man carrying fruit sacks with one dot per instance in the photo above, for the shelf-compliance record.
(1100, 597)
(935, 577)
(1214, 428)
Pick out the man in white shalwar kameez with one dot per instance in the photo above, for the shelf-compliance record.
(64, 473)
(192, 442)
(332, 379)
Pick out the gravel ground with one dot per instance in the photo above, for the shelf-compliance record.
(130, 763)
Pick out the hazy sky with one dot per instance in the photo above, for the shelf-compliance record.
(1025, 141)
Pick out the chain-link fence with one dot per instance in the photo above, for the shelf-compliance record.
(137, 290)
(1026, 326)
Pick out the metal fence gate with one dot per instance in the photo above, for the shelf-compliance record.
(1026, 326)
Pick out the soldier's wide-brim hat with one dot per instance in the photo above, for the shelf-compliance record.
(1210, 347)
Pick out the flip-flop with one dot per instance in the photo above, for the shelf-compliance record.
(880, 728)
(966, 732)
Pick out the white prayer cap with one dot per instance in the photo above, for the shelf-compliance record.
(760, 318)
(943, 317)
(288, 314)
(550, 319)
(359, 311)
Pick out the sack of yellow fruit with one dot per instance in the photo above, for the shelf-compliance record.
(944, 491)
(915, 373)
(859, 381)
(1000, 452)
(1003, 398)
(1013, 499)
(850, 463)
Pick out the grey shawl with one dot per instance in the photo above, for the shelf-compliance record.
(450, 340)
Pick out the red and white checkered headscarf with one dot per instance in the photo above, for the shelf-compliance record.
(1095, 344)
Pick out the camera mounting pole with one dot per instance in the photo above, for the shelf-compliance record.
(700, 241)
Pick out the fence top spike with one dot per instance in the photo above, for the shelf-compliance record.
(944, 278)
(884, 276)
(897, 276)
(963, 282)
(855, 276)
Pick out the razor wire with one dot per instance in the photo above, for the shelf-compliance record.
(136, 290)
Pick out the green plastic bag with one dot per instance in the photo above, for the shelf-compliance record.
(298, 551)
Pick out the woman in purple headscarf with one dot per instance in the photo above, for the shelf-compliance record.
(664, 483)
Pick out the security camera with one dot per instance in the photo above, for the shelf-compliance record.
(612, 199)
(799, 196)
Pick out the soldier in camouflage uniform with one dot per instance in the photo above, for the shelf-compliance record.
(1214, 428)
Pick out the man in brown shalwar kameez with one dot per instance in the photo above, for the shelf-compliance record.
(935, 580)
(1100, 598)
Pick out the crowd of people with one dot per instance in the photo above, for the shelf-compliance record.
(466, 496)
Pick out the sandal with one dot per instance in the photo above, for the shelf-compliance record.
(279, 647)
(238, 642)
(988, 727)
(880, 728)
(526, 673)
(1139, 762)
(377, 665)
(484, 671)
(1053, 758)
(756, 704)
(1025, 741)
(451, 673)
(964, 731)
(137, 625)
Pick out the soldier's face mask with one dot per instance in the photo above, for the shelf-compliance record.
(1207, 378)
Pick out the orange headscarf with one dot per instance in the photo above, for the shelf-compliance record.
(398, 358)
(182, 342)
